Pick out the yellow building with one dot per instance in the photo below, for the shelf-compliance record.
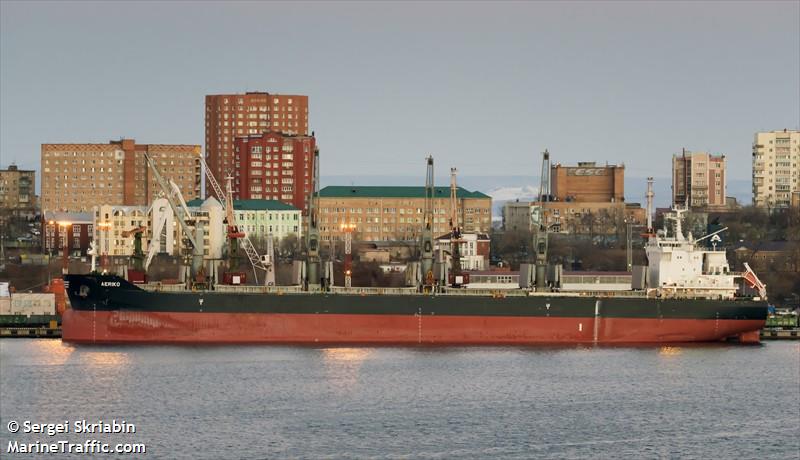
(396, 213)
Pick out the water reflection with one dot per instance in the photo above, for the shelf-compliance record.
(105, 359)
(46, 352)
(342, 366)
(54, 352)
(668, 351)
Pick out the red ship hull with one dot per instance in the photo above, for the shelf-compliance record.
(86, 326)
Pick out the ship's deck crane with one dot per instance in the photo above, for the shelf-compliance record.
(158, 227)
(314, 279)
(235, 234)
(185, 219)
(539, 223)
(427, 230)
(138, 255)
(455, 230)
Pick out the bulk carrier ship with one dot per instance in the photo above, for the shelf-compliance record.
(690, 295)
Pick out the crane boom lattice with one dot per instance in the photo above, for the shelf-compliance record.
(226, 200)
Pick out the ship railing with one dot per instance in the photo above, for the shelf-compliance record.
(524, 292)
(259, 289)
(374, 290)
(162, 287)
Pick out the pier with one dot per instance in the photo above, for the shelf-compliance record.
(780, 334)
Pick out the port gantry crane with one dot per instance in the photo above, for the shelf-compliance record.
(234, 234)
(181, 211)
(426, 242)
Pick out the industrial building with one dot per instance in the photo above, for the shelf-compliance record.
(585, 199)
(776, 168)
(385, 213)
(588, 182)
(78, 177)
(229, 116)
(699, 180)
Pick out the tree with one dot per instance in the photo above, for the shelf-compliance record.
(289, 247)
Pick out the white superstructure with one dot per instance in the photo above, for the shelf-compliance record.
(679, 267)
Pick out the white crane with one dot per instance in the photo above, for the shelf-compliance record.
(185, 219)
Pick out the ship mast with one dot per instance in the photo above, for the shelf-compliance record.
(650, 194)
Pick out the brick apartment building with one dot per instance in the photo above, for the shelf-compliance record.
(274, 166)
(698, 179)
(77, 177)
(229, 116)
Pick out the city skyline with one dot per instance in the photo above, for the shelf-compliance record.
(389, 83)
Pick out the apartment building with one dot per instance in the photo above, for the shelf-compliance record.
(70, 231)
(699, 180)
(776, 168)
(17, 189)
(78, 177)
(229, 116)
(384, 213)
(274, 166)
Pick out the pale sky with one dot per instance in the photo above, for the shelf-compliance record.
(482, 86)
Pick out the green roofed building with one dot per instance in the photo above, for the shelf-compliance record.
(259, 218)
(388, 213)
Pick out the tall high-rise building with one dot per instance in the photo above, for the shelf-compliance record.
(274, 166)
(17, 188)
(776, 168)
(77, 177)
(698, 179)
(229, 116)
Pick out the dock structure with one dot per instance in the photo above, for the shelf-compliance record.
(30, 332)
(780, 334)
